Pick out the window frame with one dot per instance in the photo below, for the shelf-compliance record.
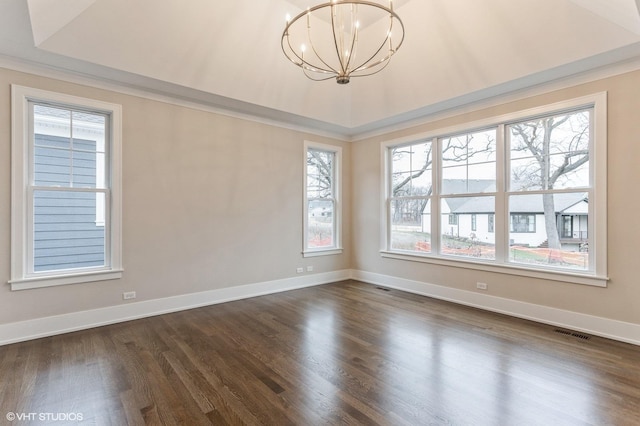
(595, 276)
(22, 189)
(336, 190)
(530, 219)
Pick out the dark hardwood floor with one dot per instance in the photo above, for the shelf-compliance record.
(344, 353)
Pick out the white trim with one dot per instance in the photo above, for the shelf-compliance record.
(62, 279)
(477, 101)
(597, 326)
(598, 99)
(159, 95)
(336, 183)
(597, 273)
(22, 274)
(327, 252)
(553, 80)
(66, 323)
(565, 276)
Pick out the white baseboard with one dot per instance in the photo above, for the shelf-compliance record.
(59, 324)
(50, 326)
(597, 326)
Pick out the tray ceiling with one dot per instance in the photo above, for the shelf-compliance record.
(227, 54)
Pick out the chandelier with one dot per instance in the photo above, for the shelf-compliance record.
(343, 39)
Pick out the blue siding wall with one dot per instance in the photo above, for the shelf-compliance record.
(65, 232)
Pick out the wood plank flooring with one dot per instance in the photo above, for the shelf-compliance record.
(343, 353)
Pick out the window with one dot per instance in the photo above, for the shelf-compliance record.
(410, 195)
(539, 178)
(523, 223)
(467, 188)
(65, 189)
(322, 200)
(567, 227)
(549, 159)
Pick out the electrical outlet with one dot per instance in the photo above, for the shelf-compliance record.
(299, 270)
(310, 268)
(482, 286)
(129, 295)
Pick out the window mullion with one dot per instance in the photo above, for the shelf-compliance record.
(435, 195)
(29, 243)
(501, 222)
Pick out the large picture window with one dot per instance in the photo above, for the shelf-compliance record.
(322, 200)
(525, 192)
(65, 189)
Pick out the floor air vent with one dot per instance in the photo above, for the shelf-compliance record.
(383, 289)
(574, 334)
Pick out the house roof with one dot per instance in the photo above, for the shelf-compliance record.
(526, 203)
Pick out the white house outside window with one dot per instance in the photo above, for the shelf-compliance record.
(322, 204)
(523, 193)
(65, 190)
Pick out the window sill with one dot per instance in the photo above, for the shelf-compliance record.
(553, 275)
(323, 252)
(56, 280)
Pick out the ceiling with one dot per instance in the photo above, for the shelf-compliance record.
(227, 54)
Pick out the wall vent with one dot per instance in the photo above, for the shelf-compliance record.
(574, 334)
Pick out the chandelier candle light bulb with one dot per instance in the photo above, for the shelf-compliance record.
(336, 49)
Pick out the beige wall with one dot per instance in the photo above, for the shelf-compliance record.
(209, 201)
(620, 301)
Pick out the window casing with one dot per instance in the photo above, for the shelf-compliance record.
(322, 200)
(66, 213)
(521, 174)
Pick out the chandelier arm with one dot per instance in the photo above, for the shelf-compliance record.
(335, 38)
(310, 77)
(335, 41)
(293, 52)
(315, 52)
(364, 65)
(309, 67)
(305, 64)
(386, 62)
(286, 36)
(354, 39)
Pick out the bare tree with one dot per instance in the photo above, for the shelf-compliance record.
(556, 147)
(321, 181)
(459, 149)
(411, 208)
